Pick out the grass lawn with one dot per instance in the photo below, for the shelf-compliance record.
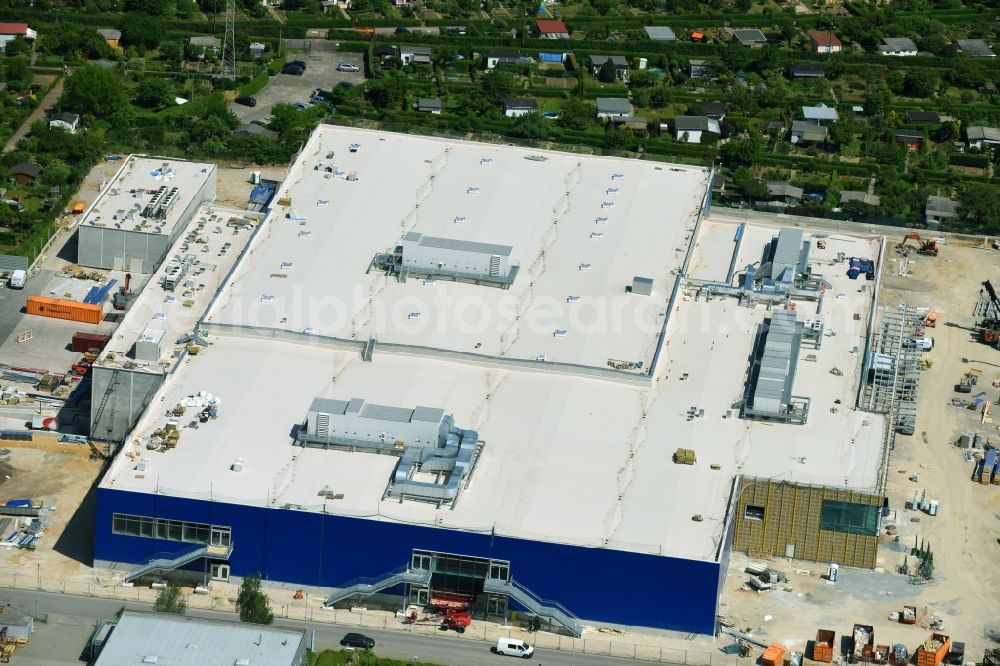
(343, 657)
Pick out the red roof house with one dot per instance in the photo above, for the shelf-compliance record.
(549, 29)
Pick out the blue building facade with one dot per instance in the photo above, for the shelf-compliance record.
(324, 550)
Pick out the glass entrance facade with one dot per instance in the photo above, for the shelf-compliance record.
(460, 575)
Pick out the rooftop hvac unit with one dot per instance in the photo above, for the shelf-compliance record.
(559, 333)
(473, 190)
(596, 234)
(612, 190)
(486, 161)
(584, 267)
(572, 299)
(617, 176)
(601, 220)
(607, 204)
(459, 219)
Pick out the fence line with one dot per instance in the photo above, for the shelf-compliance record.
(303, 611)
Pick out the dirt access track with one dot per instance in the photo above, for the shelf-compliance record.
(963, 594)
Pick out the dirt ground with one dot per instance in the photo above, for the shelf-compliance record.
(963, 536)
(56, 475)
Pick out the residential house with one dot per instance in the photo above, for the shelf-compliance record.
(698, 36)
(975, 48)
(784, 193)
(203, 45)
(10, 31)
(939, 210)
(383, 52)
(548, 29)
(752, 38)
(110, 35)
(514, 107)
(415, 55)
(822, 41)
(701, 70)
(65, 121)
(909, 138)
(857, 195)
(897, 46)
(620, 64)
(638, 124)
(257, 50)
(719, 183)
(820, 113)
(689, 129)
(978, 136)
(808, 131)
(660, 33)
(613, 107)
(497, 56)
(714, 110)
(922, 118)
(805, 72)
(25, 173)
(335, 4)
(429, 105)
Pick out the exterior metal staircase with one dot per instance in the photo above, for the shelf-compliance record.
(535, 604)
(363, 587)
(171, 561)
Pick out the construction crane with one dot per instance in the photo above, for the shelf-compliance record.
(989, 328)
(925, 247)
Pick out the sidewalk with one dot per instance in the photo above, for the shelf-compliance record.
(47, 103)
(655, 648)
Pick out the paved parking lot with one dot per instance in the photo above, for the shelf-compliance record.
(321, 72)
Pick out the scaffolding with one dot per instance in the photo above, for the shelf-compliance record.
(892, 367)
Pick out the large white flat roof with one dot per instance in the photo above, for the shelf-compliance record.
(133, 187)
(310, 273)
(566, 459)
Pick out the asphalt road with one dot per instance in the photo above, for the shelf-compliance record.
(62, 638)
(12, 301)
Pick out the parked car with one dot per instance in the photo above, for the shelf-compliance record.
(357, 640)
(246, 101)
(347, 67)
(346, 85)
(302, 106)
(402, 31)
(296, 67)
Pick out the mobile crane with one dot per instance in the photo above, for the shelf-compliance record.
(989, 328)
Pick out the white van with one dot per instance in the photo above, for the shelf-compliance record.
(514, 647)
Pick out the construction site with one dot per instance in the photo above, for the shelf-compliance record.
(498, 408)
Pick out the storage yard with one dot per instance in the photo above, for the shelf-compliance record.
(934, 464)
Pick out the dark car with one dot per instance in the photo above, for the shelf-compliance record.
(293, 69)
(402, 31)
(246, 101)
(346, 85)
(358, 641)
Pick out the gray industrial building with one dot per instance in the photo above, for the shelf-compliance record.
(142, 211)
(425, 439)
(150, 638)
(788, 251)
(119, 396)
(445, 257)
(772, 373)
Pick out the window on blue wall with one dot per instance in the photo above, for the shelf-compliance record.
(849, 517)
(161, 528)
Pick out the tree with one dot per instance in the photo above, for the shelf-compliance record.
(17, 72)
(152, 93)
(96, 92)
(140, 30)
(252, 602)
(744, 151)
(643, 79)
(496, 86)
(979, 206)
(170, 599)
(387, 92)
(751, 187)
(607, 73)
(969, 73)
(576, 114)
(877, 101)
(920, 83)
(841, 133)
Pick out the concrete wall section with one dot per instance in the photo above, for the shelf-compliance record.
(131, 393)
(597, 584)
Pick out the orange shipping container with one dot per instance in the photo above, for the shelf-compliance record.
(934, 650)
(58, 308)
(774, 655)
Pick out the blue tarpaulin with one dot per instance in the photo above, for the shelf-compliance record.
(18, 502)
